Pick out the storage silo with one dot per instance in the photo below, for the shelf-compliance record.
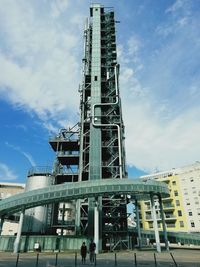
(36, 219)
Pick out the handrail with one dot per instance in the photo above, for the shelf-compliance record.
(78, 190)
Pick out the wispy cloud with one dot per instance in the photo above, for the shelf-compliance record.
(175, 6)
(25, 154)
(58, 7)
(6, 174)
(159, 82)
(39, 60)
(161, 100)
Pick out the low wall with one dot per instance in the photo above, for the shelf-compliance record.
(47, 243)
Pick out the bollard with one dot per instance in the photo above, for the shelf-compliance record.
(115, 259)
(173, 260)
(155, 259)
(135, 259)
(37, 260)
(75, 259)
(95, 259)
(56, 259)
(17, 259)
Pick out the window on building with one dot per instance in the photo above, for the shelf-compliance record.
(175, 193)
(192, 224)
(190, 213)
(191, 179)
(181, 224)
(150, 225)
(95, 78)
(188, 203)
(177, 203)
(174, 182)
(179, 213)
(170, 225)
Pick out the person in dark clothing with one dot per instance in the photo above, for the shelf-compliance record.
(83, 252)
(92, 248)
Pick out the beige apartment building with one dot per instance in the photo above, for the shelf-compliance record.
(182, 208)
(10, 224)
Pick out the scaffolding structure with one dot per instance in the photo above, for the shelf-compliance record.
(94, 148)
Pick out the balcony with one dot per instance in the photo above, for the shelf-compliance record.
(68, 159)
(58, 143)
(167, 218)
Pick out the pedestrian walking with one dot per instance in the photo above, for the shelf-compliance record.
(92, 248)
(83, 252)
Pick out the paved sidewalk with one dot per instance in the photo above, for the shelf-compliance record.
(183, 258)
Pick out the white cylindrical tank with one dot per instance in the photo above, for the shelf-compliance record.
(36, 218)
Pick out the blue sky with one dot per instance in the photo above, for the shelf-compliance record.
(40, 70)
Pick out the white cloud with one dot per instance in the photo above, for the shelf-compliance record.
(40, 63)
(6, 174)
(176, 6)
(25, 154)
(58, 7)
(152, 142)
(161, 100)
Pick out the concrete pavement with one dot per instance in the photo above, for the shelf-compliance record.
(182, 258)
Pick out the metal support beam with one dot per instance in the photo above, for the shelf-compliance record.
(63, 219)
(138, 223)
(96, 226)
(19, 231)
(155, 224)
(77, 219)
(163, 222)
(1, 224)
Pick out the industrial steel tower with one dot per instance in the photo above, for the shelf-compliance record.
(94, 148)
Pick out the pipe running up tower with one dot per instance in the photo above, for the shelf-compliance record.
(97, 151)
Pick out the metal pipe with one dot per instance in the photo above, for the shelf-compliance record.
(96, 223)
(19, 231)
(174, 260)
(111, 124)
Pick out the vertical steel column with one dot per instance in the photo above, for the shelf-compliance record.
(138, 223)
(19, 231)
(96, 225)
(1, 224)
(155, 224)
(163, 222)
(77, 218)
(63, 218)
(95, 132)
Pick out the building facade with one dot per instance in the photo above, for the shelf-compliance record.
(10, 225)
(182, 208)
